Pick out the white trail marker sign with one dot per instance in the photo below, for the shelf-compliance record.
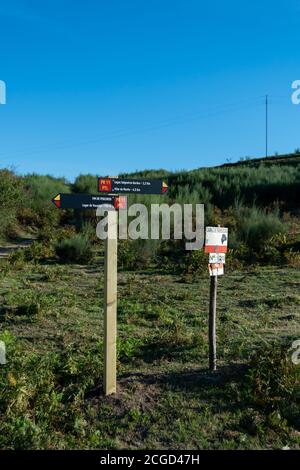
(216, 242)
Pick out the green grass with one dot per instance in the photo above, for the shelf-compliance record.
(51, 396)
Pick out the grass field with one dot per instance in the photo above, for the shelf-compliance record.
(51, 388)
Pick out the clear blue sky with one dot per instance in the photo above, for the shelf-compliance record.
(106, 86)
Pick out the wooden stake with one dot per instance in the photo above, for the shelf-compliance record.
(212, 323)
(110, 306)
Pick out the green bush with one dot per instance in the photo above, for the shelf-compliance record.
(257, 227)
(35, 252)
(11, 199)
(77, 249)
(195, 261)
(273, 382)
(126, 255)
(85, 184)
(53, 234)
(138, 254)
(40, 190)
(41, 394)
(39, 251)
(257, 181)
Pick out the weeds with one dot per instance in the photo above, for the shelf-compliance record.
(77, 249)
(273, 383)
(41, 394)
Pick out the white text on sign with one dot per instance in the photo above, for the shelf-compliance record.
(217, 258)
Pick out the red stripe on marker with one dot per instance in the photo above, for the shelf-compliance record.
(215, 249)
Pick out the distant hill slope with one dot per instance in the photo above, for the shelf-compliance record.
(287, 159)
(266, 182)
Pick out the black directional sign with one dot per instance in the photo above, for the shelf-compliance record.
(87, 201)
(141, 186)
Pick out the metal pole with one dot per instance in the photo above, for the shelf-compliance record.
(267, 103)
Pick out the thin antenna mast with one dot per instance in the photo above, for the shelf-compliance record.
(267, 110)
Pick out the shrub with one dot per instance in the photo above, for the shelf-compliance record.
(36, 252)
(28, 217)
(85, 184)
(11, 196)
(88, 230)
(53, 234)
(41, 394)
(257, 227)
(76, 249)
(126, 255)
(195, 262)
(39, 251)
(40, 190)
(273, 382)
(292, 258)
(137, 254)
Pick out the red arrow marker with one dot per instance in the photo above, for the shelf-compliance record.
(56, 200)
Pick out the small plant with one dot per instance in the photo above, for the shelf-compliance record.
(128, 348)
(16, 257)
(273, 383)
(41, 392)
(77, 249)
(292, 258)
(195, 262)
(39, 251)
(126, 256)
(138, 254)
(258, 228)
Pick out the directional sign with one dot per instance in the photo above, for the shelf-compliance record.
(217, 258)
(88, 201)
(141, 186)
(216, 240)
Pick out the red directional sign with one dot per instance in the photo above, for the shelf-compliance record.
(105, 185)
(128, 185)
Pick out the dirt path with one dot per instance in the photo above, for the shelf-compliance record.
(7, 248)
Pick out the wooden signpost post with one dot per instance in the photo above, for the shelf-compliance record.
(216, 241)
(117, 185)
(111, 201)
(212, 318)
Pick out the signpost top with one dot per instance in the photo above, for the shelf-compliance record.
(128, 185)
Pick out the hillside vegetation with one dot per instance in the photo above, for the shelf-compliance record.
(51, 319)
(257, 199)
